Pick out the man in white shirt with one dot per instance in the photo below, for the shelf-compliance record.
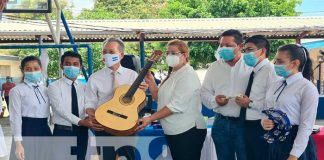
(226, 79)
(101, 85)
(67, 101)
(256, 51)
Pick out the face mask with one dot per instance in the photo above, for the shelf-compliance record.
(111, 59)
(71, 71)
(172, 60)
(226, 53)
(33, 76)
(250, 59)
(282, 71)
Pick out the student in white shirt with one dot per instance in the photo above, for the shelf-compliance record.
(296, 96)
(29, 111)
(101, 85)
(67, 101)
(256, 51)
(226, 79)
(3, 146)
(179, 105)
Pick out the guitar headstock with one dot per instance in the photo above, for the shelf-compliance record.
(156, 56)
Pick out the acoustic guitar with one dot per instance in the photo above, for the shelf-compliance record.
(120, 114)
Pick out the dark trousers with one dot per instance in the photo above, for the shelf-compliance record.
(126, 151)
(7, 101)
(187, 145)
(82, 138)
(255, 144)
(280, 150)
(228, 136)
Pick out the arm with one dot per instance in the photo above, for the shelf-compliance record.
(207, 91)
(15, 114)
(91, 98)
(55, 97)
(308, 110)
(149, 79)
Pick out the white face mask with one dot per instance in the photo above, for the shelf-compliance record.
(172, 60)
(111, 59)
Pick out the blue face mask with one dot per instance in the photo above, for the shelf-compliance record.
(71, 71)
(282, 71)
(33, 77)
(250, 59)
(226, 53)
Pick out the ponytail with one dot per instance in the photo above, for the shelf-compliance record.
(307, 67)
(169, 73)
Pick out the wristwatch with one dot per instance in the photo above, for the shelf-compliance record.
(250, 104)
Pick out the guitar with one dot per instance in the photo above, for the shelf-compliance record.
(120, 114)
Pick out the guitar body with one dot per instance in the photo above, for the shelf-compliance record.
(120, 118)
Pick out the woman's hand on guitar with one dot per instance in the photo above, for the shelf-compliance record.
(143, 86)
(149, 78)
(143, 122)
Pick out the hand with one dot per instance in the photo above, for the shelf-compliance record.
(149, 78)
(243, 101)
(221, 100)
(291, 157)
(90, 112)
(143, 122)
(143, 86)
(20, 153)
(267, 124)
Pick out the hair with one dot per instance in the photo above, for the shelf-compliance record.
(121, 45)
(261, 42)
(71, 54)
(297, 52)
(182, 46)
(238, 36)
(26, 60)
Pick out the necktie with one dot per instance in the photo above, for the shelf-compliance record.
(282, 86)
(247, 93)
(115, 82)
(75, 108)
(36, 90)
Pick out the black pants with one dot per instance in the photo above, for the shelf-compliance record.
(7, 101)
(255, 144)
(126, 151)
(82, 138)
(187, 145)
(280, 150)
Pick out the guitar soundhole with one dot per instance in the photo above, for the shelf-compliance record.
(126, 100)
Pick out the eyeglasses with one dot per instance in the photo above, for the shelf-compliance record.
(172, 53)
(248, 50)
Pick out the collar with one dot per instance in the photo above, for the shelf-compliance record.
(30, 84)
(120, 70)
(294, 78)
(69, 82)
(260, 65)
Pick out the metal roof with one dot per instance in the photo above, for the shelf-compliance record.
(164, 29)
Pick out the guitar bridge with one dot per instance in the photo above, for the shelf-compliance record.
(117, 114)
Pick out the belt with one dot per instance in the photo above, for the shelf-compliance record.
(62, 127)
(228, 118)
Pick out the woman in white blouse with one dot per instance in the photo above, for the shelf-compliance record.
(296, 96)
(29, 110)
(179, 105)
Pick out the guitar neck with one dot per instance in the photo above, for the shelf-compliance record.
(138, 80)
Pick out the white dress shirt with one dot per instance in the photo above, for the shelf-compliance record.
(25, 101)
(299, 100)
(181, 94)
(222, 79)
(60, 95)
(264, 76)
(100, 86)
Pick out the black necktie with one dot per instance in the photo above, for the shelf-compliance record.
(282, 86)
(247, 93)
(75, 108)
(36, 89)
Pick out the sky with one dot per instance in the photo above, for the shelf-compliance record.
(308, 7)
